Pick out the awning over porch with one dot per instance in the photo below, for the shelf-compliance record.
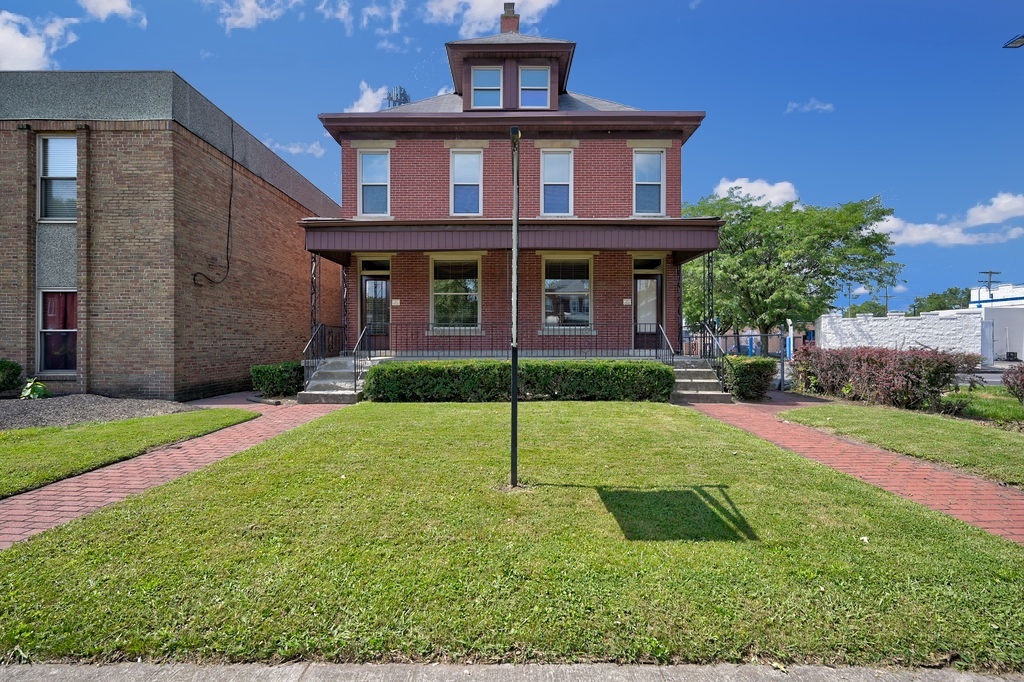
(336, 239)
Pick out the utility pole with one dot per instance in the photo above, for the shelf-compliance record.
(885, 294)
(990, 274)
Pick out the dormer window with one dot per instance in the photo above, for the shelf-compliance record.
(486, 87)
(534, 87)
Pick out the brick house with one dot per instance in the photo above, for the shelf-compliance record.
(149, 246)
(424, 234)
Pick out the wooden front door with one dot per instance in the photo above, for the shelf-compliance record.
(375, 312)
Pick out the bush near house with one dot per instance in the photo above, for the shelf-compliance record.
(490, 380)
(1013, 379)
(10, 375)
(749, 378)
(912, 379)
(282, 378)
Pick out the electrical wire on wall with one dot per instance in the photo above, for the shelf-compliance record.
(231, 197)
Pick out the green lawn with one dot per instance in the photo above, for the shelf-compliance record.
(993, 403)
(979, 448)
(31, 458)
(646, 532)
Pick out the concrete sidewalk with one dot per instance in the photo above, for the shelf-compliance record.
(322, 672)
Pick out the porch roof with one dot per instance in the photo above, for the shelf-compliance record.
(335, 239)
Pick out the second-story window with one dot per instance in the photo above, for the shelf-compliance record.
(374, 174)
(556, 181)
(58, 178)
(649, 182)
(467, 181)
(486, 87)
(534, 86)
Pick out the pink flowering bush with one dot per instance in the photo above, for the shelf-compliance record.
(1013, 379)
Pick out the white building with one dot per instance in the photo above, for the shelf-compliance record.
(1003, 296)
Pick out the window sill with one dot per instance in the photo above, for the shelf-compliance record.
(455, 331)
(374, 216)
(642, 216)
(566, 331)
(58, 375)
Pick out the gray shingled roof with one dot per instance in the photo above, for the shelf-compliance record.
(510, 38)
(452, 104)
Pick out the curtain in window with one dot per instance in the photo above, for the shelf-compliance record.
(59, 335)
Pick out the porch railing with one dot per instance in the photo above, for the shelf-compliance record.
(324, 342)
(411, 341)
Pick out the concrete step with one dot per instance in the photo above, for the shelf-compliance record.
(693, 397)
(695, 374)
(688, 384)
(327, 397)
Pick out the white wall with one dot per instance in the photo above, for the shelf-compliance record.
(952, 330)
(1005, 295)
(1007, 330)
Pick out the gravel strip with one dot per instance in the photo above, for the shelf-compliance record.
(75, 409)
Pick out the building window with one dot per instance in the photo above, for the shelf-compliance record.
(556, 182)
(649, 182)
(467, 180)
(567, 292)
(374, 174)
(534, 86)
(58, 185)
(58, 331)
(456, 293)
(486, 87)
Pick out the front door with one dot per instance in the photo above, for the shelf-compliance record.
(375, 312)
(647, 306)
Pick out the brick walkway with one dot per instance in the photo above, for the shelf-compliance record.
(996, 508)
(22, 516)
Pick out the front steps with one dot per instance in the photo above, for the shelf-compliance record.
(696, 382)
(332, 383)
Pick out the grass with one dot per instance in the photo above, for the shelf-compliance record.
(645, 533)
(981, 449)
(993, 403)
(34, 457)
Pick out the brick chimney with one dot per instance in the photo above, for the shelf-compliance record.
(510, 20)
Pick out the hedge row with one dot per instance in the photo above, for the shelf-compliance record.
(490, 381)
(914, 379)
(282, 378)
(10, 375)
(1013, 379)
(749, 378)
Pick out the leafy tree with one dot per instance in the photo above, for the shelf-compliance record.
(950, 299)
(873, 307)
(788, 261)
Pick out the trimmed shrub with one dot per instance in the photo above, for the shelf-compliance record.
(10, 375)
(749, 378)
(913, 379)
(1013, 379)
(490, 381)
(282, 378)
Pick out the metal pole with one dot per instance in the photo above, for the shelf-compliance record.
(514, 135)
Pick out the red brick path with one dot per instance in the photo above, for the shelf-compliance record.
(22, 516)
(993, 507)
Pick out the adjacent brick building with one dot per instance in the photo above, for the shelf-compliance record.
(425, 231)
(149, 245)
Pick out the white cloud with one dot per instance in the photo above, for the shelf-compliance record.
(900, 289)
(960, 232)
(338, 9)
(101, 9)
(861, 290)
(250, 13)
(370, 100)
(762, 191)
(375, 13)
(694, 4)
(311, 148)
(809, 106)
(446, 91)
(206, 54)
(29, 45)
(480, 17)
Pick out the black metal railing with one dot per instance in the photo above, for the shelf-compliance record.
(325, 342)
(409, 341)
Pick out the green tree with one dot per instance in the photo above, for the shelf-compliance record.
(952, 298)
(872, 306)
(790, 260)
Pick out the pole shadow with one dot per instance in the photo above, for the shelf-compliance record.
(696, 513)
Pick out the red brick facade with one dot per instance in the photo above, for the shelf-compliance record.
(177, 297)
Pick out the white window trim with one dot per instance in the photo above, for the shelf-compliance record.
(661, 153)
(572, 187)
(359, 182)
(40, 316)
(473, 88)
(547, 89)
(451, 181)
(472, 257)
(40, 177)
(560, 329)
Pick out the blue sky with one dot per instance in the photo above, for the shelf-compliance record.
(824, 101)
